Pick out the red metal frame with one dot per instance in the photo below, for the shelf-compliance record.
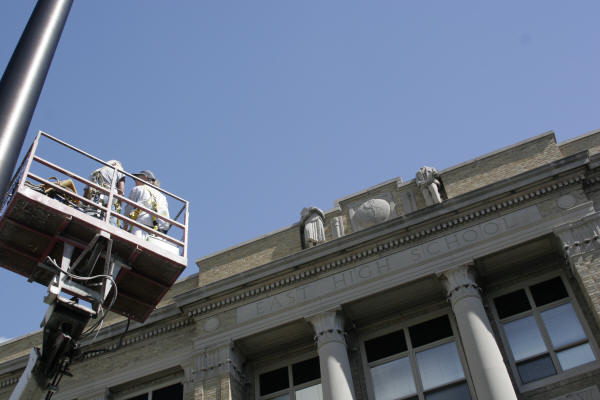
(27, 174)
(151, 267)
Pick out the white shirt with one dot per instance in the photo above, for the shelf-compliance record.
(150, 198)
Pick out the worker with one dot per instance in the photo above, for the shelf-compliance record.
(103, 177)
(151, 198)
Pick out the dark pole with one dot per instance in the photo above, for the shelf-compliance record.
(24, 78)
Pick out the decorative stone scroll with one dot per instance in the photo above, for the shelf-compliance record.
(427, 180)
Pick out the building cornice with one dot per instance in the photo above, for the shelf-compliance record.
(9, 382)
(138, 336)
(523, 189)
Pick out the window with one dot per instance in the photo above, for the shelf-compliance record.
(420, 362)
(299, 381)
(544, 333)
(172, 392)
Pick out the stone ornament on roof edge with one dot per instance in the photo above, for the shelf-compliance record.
(427, 180)
(372, 211)
(312, 222)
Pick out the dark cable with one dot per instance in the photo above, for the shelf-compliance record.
(107, 350)
(86, 278)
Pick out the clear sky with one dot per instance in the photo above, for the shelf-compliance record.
(254, 109)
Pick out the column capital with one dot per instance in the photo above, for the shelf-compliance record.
(459, 283)
(328, 326)
(218, 360)
(580, 237)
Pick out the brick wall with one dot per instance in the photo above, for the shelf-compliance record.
(590, 141)
(500, 165)
(586, 270)
(249, 255)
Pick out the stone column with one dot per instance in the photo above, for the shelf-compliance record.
(336, 378)
(214, 374)
(487, 367)
(581, 247)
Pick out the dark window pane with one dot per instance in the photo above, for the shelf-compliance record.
(387, 345)
(306, 371)
(512, 303)
(173, 392)
(139, 397)
(274, 381)
(536, 369)
(549, 291)
(430, 331)
(454, 392)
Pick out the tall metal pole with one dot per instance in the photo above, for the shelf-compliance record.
(24, 78)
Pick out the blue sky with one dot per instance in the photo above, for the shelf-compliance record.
(252, 110)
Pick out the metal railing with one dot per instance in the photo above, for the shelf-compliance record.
(105, 211)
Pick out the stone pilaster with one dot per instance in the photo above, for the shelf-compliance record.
(581, 247)
(214, 374)
(189, 382)
(336, 377)
(488, 370)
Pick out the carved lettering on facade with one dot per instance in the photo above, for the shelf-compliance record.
(279, 301)
(401, 260)
(474, 234)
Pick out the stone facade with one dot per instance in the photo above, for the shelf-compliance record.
(461, 299)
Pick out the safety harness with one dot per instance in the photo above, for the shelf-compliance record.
(93, 194)
(153, 206)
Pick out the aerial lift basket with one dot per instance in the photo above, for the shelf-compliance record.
(45, 217)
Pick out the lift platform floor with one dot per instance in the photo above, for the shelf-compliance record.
(35, 226)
